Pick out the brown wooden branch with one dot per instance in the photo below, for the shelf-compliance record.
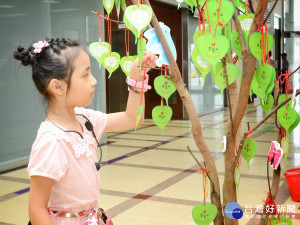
(240, 31)
(228, 95)
(103, 17)
(193, 115)
(261, 123)
(270, 12)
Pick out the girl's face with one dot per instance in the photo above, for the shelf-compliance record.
(82, 86)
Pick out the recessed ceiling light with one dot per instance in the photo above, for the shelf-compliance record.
(7, 6)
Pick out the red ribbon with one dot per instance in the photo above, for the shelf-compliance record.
(270, 201)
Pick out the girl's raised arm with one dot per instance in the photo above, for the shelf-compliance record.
(126, 120)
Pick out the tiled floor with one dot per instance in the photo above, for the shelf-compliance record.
(148, 178)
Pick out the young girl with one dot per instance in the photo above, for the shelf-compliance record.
(65, 184)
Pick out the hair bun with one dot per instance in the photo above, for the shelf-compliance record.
(24, 55)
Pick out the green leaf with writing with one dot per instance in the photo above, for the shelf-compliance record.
(199, 33)
(212, 49)
(126, 63)
(139, 115)
(161, 116)
(111, 61)
(200, 64)
(132, 28)
(224, 16)
(236, 43)
(271, 85)
(256, 88)
(246, 21)
(139, 16)
(295, 124)
(263, 74)
(255, 45)
(283, 97)
(97, 49)
(108, 5)
(267, 105)
(219, 77)
(204, 214)
(123, 5)
(282, 221)
(141, 48)
(249, 149)
(285, 147)
(237, 176)
(287, 117)
(164, 87)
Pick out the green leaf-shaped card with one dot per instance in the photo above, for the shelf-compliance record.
(282, 221)
(111, 61)
(285, 147)
(249, 149)
(132, 28)
(164, 87)
(271, 85)
(263, 74)
(161, 116)
(199, 33)
(246, 21)
(255, 45)
(139, 16)
(97, 49)
(283, 97)
(212, 49)
(287, 117)
(126, 63)
(204, 214)
(267, 105)
(236, 43)
(108, 5)
(225, 14)
(237, 176)
(256, 88)
(219, 77)
(200, 64)
(141, 48)
(295, 124)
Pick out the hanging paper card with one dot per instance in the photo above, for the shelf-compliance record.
(268, 104)
(141, 48)
(204, 214)
(97, 49)
(118, 7)
(123, 5)
(154, 44)
(190, 3)
(282, 221)
(236, 43)
(139, 16)
(219, 77)
(256, 88)
(108, 5)
(275, 155)
(139, 115)
(179, 3)
(250, 93)
(224, 15)
(295, 124)
(286, 117)
(282, 98)
(199, 33)
(249, 149)
(237, 176)
(255, 45)
(164, 87)
(161, 116)
(200, 64)
(285, 147)
(263, 74)
(126, 63)
(132, 28)
(212, 49)
(246, 21)
(111, 61)
(271, 85)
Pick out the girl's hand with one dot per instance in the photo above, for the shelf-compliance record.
(149, 62)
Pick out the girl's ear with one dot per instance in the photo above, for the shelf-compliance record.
(57, 87)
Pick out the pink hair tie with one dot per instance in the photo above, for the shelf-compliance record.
(39, 46)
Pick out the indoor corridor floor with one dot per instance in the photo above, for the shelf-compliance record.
(149, 179)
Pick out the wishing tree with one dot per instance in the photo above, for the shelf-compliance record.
(228, 31)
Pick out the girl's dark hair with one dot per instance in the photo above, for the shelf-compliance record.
(53, 62)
